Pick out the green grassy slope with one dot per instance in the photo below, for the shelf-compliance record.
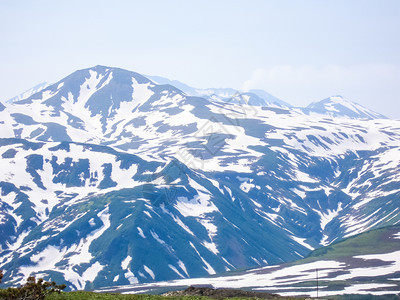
(376, 241)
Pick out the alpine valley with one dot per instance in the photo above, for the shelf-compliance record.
(111, 178)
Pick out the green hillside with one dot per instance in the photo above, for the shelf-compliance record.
(376, 241)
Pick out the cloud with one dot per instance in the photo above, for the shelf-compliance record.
(256, 78)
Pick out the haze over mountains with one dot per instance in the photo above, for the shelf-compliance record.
(109, 177)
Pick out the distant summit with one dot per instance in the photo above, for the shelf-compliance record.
(37, 88)
(253, 97)
(337, 106)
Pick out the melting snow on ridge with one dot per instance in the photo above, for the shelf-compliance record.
(75, 255)
(183, 267)
(140, 231)
(128, 273)
(15, 172)
(302, 242)
(149, 271)
(198, 206)
(246, 184)
(207, 267)
(326, 218)
(176, 271)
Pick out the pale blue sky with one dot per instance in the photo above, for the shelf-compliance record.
(299, 51)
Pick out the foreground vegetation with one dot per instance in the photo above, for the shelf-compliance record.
(91, 295)
(42, 290)
(32, 290)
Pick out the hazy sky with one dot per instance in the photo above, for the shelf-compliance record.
(299, 51)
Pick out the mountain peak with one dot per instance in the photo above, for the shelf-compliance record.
(33, 90)
(337, 98)
(338, 106)
(255, 97)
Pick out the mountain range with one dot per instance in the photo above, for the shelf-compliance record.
(111, 178)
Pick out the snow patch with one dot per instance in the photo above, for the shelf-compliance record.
(149, 271)
(141, 232)
(125, 263)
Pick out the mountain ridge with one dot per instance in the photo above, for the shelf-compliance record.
(338, 106)
(330, 106)
(33, 90)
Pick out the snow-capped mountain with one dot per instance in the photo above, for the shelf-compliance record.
(337, 106)
(109, 178)
(37, 88)
(252, 97)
